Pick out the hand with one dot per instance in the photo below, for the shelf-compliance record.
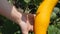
(26, 23)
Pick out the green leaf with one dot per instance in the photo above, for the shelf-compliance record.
(52, 29)
(27, 1)
(53, 16)
(56, 10)
(58, 32)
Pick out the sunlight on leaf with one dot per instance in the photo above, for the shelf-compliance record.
(27, 1)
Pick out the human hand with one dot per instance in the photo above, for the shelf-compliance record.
(26, 23)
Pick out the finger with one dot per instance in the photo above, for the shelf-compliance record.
(31, 18)
(24, 28)
(25, 32)
(34, 16)
(31, 28)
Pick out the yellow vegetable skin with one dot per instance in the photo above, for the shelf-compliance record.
(43, 14)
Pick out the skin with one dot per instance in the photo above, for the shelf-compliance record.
(25, 21)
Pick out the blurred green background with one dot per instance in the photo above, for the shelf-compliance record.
(29, 6)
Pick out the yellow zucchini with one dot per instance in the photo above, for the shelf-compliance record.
(43, 14)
